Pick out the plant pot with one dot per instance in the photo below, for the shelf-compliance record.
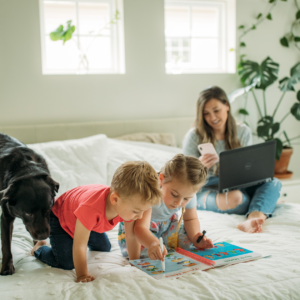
(281, 165)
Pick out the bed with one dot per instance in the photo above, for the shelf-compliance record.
(94, 160)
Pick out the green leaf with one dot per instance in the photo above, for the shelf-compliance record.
(297, 38)
(259, 16)
(263, 130)
(269, 16)
(287, 138)
(241, 27)
(279, 147)
(57, 34)
(275, 128)
(242, 44)
(243, 111)
(287, 84)
(298, 15)
(253, 27)
(264, 74)
(298, 96)
(295, 111)
(284, 42)
(61, 34)
(271, 1)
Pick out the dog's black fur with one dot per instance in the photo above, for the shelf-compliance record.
(26, 191)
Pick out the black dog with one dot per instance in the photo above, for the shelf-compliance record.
(26, 191)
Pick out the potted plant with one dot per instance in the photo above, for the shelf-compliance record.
(255, 76)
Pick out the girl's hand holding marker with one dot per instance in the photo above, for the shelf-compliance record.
(155, 252)
(202, 241)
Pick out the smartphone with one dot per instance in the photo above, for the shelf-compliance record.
(207, 148)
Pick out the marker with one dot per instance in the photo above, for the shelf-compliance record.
(201, 236)
(162, 251)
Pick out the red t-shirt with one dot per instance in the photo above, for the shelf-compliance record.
(86, 203)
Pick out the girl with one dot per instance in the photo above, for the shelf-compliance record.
(215, 124)
(179, 179)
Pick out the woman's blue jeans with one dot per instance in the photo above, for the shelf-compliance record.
(261, 197)
(60, 254)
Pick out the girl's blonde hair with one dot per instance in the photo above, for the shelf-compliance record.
(204, 132)
(186, 169)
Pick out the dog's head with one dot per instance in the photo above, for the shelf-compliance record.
(31, 200)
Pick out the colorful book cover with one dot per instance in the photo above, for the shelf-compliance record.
(176, 265)
(225, 254)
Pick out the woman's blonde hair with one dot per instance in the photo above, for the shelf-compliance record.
(186, 169)
(204, 132)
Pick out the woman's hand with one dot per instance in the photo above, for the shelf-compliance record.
(85, 278)
(204, 243)
(154, 252)
(208, 160)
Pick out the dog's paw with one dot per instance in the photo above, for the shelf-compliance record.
(8, 270)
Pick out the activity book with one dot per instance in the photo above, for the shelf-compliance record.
(182, 261)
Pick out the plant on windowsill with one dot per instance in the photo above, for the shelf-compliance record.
(66, 34)
(256, 76)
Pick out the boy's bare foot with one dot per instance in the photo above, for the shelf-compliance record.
(37, 246)
(251, 225)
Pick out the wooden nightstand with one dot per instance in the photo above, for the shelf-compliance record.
(290, 191)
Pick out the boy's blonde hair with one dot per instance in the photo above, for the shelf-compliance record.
(137, 178)
(186, 169)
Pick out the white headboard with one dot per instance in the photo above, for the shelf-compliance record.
(30, 134)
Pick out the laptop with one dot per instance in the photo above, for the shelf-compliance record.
(247, 166)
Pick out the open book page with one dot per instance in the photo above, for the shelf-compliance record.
(176, 265)
(226, 254)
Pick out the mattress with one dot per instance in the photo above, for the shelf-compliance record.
(276, 277)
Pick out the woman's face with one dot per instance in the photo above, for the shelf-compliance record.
(215, 114)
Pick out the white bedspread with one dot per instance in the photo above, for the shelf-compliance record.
(277, 277)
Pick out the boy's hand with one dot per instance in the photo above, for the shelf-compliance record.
(85, 278)
(204, 243)
(154, 252)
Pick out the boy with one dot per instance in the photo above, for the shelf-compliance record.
(81, 216)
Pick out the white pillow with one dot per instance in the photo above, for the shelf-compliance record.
(122, 151)
(76, 162)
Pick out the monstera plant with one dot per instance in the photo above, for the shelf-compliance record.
(255, 76)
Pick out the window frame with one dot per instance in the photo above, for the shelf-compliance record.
(116, 40)
(227, 30)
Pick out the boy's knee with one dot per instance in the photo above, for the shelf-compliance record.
(67, 265)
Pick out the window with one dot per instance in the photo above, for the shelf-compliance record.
(96, 45)
(200, 36)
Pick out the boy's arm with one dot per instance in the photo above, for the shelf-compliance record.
(146, 238)
(192, 228)
(133, 245)
(81, 238)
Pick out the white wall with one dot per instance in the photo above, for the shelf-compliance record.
(145, 91)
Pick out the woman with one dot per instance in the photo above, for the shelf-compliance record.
(215, 124)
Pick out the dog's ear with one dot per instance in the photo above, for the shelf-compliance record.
(54, 185)
(5, 195)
